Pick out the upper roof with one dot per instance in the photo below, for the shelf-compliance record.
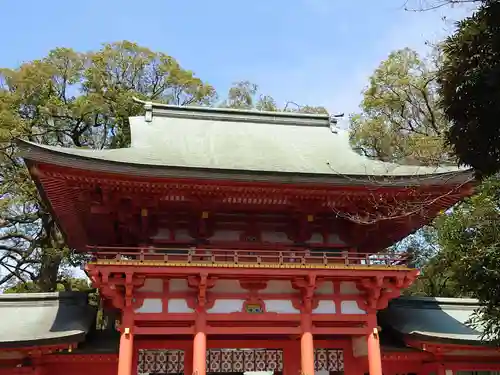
(173, 141)
(433, 319)
(30, 319)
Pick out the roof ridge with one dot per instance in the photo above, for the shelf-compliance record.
(235, 115)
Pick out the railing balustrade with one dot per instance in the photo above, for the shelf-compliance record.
(211, 256)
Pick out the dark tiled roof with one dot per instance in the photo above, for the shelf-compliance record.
(44, 318)
(433, 319)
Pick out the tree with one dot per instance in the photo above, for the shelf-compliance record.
(400, 119)
(75, 100)
(470, 242)
(246, 95)
(470, 88)
(69, 284)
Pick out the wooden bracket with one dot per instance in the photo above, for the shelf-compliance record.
(201, 282)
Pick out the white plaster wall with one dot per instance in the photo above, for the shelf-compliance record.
(280, 306)
(316, 238)
(350, 307)
(349, 287)
(152, 285)
(226, 306)
(273, 237)
(226, 235)
(178, 285)
(325, 307)
(151, 305)
(279, 286)
(178, 305)
(325, 288)
(227, 286)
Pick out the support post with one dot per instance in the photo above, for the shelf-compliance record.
(200, 346)
(291, 359)
(374, 356)
(307, 346)
(188, 361)
(126, 354)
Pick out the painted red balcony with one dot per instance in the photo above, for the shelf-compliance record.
(216, 257)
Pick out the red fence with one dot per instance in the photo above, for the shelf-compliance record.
(208, 256)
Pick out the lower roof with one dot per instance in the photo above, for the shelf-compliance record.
(33, 319)
(446, 320)
(41, 319)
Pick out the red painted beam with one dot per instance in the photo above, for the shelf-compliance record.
(164, 331)
(348, 273)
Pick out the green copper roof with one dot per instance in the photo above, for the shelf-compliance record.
(30, 319)
(233, 142)
(433, 319)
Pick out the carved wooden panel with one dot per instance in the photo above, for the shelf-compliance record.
(241, 360)
(329, 359)
(159, 361)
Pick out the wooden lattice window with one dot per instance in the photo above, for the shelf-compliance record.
(160, 361)
(328, 360)
(241, 360)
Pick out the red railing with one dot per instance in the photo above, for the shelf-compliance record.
(208, 256)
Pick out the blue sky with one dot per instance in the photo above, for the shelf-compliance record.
(317, 52)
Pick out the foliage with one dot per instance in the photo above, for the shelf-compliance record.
(470, 242)
(77, 99)
(400, 119)
(74, 100)
(470, 88)
(246, 95)
(70, 284)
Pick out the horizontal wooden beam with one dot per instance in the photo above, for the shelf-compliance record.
(164, 331)
(342, 273)
(265, 331)
(340, 330)
(250, 330)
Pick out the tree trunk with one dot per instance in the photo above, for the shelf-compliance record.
(49, 271)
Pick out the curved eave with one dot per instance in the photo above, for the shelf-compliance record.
(426, 338)
(68, 339)
(427, 320)
(47, 155)
(44, 319)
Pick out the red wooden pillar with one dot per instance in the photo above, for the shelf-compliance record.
(307, 346)
(200, 346)
(374, 356)
(126, 352)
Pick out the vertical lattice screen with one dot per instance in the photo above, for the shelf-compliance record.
(328, 360)
(241, 360)
(160, 362)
